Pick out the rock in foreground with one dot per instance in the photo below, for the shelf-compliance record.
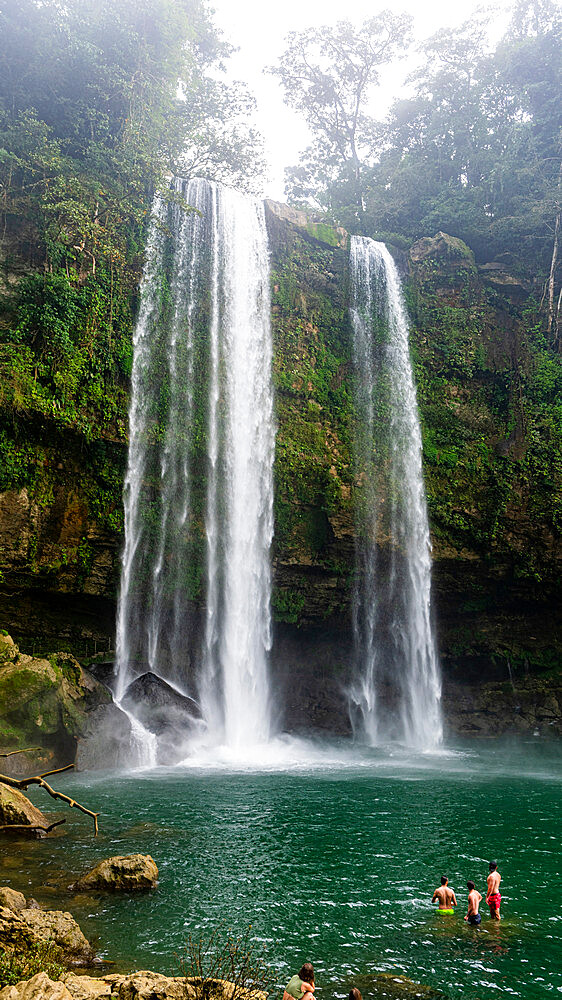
(46, 702)
(136, 986)
(29, 927)
(126, 873)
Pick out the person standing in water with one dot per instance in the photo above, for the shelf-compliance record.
(474, 898)
(301, 986)
(445, 895)
(493, 897)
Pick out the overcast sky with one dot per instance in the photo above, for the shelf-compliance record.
(258, 29)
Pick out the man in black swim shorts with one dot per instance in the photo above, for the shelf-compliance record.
(474, 897)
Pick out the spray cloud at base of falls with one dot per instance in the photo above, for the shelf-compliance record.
(396, 689)
(202, 400)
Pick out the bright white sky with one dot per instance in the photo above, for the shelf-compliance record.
(258, 29)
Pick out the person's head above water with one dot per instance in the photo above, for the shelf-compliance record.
(355, 994)
(307, 973)
(444, 880)
(470, 886)
(493, 865)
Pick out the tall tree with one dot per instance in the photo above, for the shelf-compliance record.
(329, 75)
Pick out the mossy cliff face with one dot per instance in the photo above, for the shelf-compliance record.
(489, 391)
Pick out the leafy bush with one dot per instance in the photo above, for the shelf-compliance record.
(25, 962)
(225, 956)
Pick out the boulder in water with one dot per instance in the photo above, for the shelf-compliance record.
(126, 873)
(160, 708)
(16, 810)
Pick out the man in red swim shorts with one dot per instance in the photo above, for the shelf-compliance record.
(493, 897)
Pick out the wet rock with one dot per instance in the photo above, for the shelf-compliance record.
(395, 986)
(122, 873)
(171, 716)
(531, 704)
(16, 809)
(153, 699)
(104, 740)
(11, 899)
(44, 702)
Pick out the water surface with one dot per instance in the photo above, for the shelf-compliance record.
(331, 855)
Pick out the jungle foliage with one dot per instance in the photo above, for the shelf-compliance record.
(474, 150)
(98, 102)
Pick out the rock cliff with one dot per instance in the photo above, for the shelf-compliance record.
(487, 389)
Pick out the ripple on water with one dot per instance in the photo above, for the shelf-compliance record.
(332, 857)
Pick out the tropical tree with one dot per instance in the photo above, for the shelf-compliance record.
(329, 75)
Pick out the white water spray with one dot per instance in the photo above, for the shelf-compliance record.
(239, 522)
(397, 689)
(202, 415)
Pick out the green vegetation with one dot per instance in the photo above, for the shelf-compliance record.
(311, 367)
(474, 152)
(489, 388)
(21, 963)
(91, 123)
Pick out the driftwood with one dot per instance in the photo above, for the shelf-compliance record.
(39, 779)
(33, 826)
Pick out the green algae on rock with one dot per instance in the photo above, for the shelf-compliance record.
(44, 701)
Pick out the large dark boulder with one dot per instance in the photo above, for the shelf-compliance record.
(171, 716)
(151, 694)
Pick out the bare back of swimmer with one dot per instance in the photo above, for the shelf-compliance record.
(445, 895)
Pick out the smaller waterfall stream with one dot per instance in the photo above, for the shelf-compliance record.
(396, 691)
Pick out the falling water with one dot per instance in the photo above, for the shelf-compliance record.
(239, 517)
(198, 490)
(396, 690)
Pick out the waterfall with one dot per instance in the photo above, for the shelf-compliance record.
(198, 492)
(396, 691)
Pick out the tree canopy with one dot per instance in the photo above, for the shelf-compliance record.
(475, 149)
(99, 101)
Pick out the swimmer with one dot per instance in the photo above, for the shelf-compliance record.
(355, 994)
(474, 898)
(446, 896)
(493, 897)
(301, 986)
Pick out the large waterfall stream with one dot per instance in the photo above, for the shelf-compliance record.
(396, 691)
(202, 400)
